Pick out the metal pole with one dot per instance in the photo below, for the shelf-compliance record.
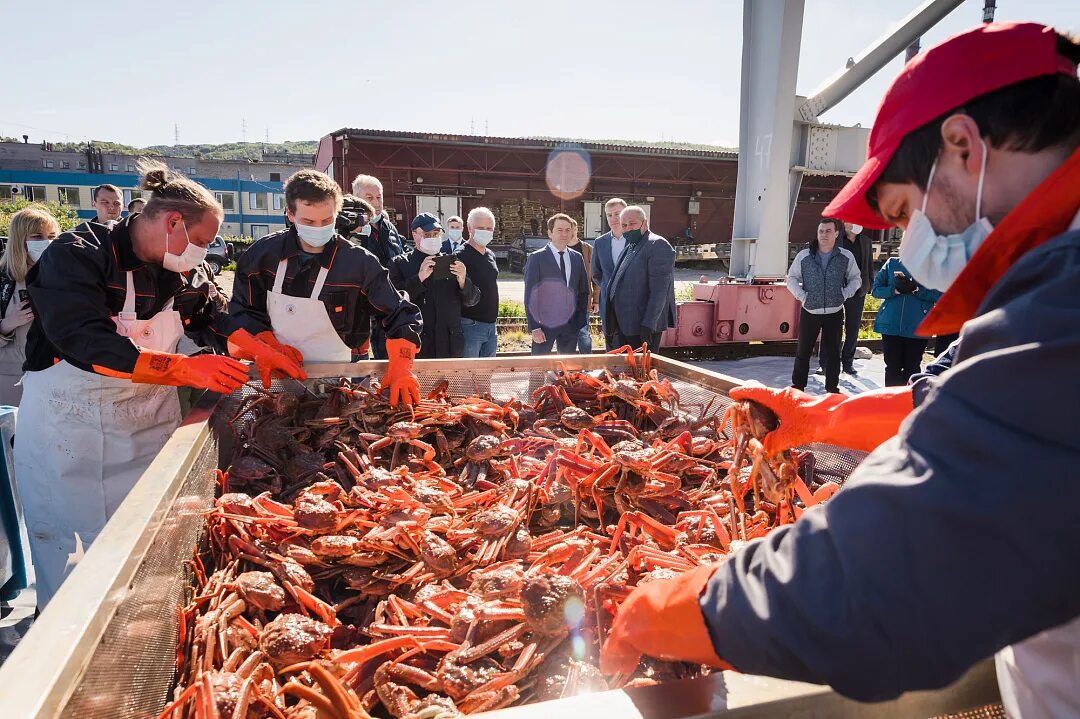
(875, 57)
(772, 36)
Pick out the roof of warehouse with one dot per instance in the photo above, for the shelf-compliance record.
(665, 149)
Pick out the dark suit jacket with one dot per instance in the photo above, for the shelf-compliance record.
(551, 304)
(641, 294)
(602, 269)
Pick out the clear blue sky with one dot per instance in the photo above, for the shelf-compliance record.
(663, 69)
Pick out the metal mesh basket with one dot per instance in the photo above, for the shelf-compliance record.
(120, 660)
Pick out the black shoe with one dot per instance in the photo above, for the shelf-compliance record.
(850, 369)
(819, 370)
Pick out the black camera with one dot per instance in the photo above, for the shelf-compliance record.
(352, 217)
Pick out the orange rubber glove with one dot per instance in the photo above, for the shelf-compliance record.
(291, 352)
(212, 372)
(268, 359)
(860, 422)
(663, 620)
(399, 376)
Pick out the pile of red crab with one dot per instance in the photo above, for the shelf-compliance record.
(465, 554)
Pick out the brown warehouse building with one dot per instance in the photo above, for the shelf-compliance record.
(688, 192)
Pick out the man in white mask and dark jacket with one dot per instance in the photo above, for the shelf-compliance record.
(312, 289)
(439, 296)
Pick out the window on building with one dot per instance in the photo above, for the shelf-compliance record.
(131, 167)
(34, 193)
(47, 163)
(68, 196)
(114, 167)
(257, 200)
(130, 195)
(5, 192)
(275, 177)
(279, 201)
(82, 164)
(227, 200)
(191, 172)
(65, 165)
(258, 231)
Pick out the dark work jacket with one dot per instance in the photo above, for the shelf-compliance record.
(80, 284)
(440, 301)
(384, 241)
(954, 539)
(863, 250)
(357, 288)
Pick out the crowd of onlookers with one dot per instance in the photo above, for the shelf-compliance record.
(831, 279)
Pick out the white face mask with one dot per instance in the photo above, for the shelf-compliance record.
(856, 229)
(315, 236)
(430, 245)
(375, 218)
(365, 231)
(482, 237)
(934, 260)
(189, 259)
(34, 248)
(453, 234)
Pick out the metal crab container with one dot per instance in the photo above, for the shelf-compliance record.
(106, 645)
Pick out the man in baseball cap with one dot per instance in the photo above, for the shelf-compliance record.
(959, 536)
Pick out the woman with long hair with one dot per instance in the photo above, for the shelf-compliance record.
(29, 234)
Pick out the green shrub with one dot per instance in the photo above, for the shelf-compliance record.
(511, 308)
(65, 215)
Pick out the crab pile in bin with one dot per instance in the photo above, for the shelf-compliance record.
(464, 554)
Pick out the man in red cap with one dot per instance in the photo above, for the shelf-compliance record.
(959, 536)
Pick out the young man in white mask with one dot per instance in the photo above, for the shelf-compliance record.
(478, 321)
(314, 290)
(440, 298)
(929, 548)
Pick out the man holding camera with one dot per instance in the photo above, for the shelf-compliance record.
(310, 288)
(438, 284)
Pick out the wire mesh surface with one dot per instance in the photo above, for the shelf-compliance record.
(990, 711)
(132, 672)
(132, 669)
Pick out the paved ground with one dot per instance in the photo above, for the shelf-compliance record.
(776, 372)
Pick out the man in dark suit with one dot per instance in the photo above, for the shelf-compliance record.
(606, 252)
(641, 292)
(556, 291)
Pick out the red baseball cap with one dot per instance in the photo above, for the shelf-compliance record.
(946, 76)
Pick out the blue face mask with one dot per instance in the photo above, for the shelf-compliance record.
(934, 260)
(453, 234)
(315, 236)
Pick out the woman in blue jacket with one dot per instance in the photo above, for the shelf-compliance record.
(905, 304)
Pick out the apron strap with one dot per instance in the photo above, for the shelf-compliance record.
(279, 276)
(319, 281)
(129, 298)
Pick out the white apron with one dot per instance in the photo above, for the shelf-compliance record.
(1040, 676)
(83, 440)
(303, 322)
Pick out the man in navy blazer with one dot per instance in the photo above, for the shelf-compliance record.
(556, 291)
(641, 292)
(607, 249)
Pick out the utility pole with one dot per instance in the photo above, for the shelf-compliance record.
(243, 129)
(176, 133)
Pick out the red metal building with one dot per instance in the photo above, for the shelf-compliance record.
(690, 193)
